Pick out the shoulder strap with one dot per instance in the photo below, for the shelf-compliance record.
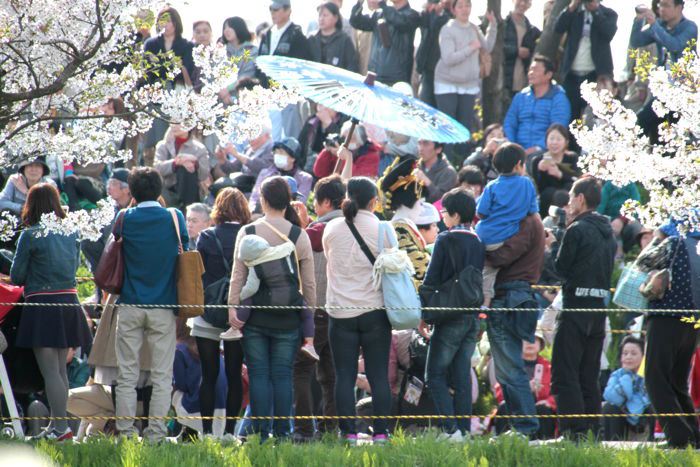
(177, 229)
(451, 254)
(119, 224)
(277, 232)
(387, 228)
(363, 246)
(294, 234)
(227, 263)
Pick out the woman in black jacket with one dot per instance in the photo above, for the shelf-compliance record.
(331, 45)
(215, 244)
(170, 39)
(454, 335)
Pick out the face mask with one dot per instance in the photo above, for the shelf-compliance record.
(281, 161)
(353, 146)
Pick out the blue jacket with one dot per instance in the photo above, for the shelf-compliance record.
(626, 389)
(528, 117)
(674, 40)
(187, 376)
(504, 203)
(44, 264)
(150, 252)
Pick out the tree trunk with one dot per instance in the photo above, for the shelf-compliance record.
(492, 87)
(548, 45)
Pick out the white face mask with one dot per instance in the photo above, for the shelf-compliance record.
(353, 146)
(281, 161)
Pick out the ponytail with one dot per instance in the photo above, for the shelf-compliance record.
(350, 209)
(361, 190)
(291, 215)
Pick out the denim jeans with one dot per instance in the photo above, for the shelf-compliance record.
(269, 355)
(372, 332)
(507, 352)
(450, 351)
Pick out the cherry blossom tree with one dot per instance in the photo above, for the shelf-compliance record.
(62, 60)
(615, 148)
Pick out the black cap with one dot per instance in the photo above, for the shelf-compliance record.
(120, 174)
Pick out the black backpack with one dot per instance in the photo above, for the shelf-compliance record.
(216, 293)
(280, 283)
(463, 290)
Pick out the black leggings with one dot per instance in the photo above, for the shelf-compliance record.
(233, 361)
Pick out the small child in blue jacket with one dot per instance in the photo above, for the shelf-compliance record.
(625, 392)
(504, 203)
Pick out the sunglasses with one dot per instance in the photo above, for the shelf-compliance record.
(273, 9)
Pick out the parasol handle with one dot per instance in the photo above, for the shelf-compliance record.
(348, 138)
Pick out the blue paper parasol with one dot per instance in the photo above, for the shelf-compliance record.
(363, 99)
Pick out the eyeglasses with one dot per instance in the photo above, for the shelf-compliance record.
(274, 9)
(443, 212)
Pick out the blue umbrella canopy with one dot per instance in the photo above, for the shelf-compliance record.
(363, 99)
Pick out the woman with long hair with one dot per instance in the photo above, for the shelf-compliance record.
(238, 41)
(272, 337)
(364, 324)
(169, 39)
(45, 264)
(215, 244)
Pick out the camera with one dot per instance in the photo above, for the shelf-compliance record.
(560, 215)
(639, 9)
(333, 140)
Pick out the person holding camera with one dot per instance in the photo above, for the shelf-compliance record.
(589, 27)
(365, 153)
(393, 30)
(672, 32)
(585, 262)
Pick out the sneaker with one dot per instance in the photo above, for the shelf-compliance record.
(54, 435)
(456, 437)
(229, 438)
(380, 439)
(510, 434)
(207, 437)
(350, 440)
(231, 334)
(309, 351)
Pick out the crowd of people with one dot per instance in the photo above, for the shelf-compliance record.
(295, 218)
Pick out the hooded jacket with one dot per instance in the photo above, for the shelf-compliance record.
(585, 260)
(395, 63)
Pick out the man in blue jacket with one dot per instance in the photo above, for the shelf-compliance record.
(537, 107)
(589, 27)
(150, 250)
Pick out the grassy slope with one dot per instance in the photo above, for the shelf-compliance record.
(425, 451)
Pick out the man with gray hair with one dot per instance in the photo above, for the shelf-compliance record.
(257, 155)
(197, 219)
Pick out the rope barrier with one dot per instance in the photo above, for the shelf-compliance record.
(536, 287)
(361, 308)
(349, 417)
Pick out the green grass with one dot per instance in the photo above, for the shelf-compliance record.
(402, 451)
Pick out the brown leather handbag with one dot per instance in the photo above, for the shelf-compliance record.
(109, 275)
(190, 289)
